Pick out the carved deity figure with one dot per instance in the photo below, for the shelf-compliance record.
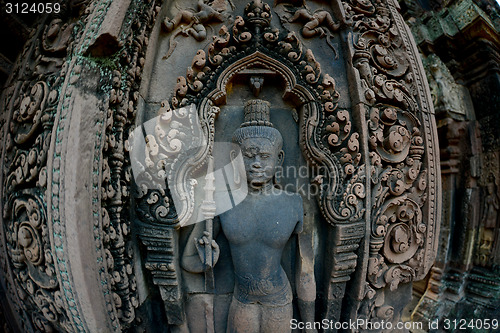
(315, 22)
(319, 23)
(249, 240)
(195, 20)
(258, 229)
(489, 223)
(492, 205)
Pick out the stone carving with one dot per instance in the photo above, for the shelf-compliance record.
(168, 146)
(113, 216)
(372, 155)
(35, 289)
(318, 23)
(195, 21)
(403, 164)
(38, 271)
(489, 224)
(447, 95)
(262, 299)
(333, 146)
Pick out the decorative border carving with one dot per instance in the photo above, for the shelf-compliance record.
(405, 182)
(44, 300)
(37, 129)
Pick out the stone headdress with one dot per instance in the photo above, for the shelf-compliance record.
(257, 124)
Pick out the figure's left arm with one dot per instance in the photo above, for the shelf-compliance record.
(305, 282)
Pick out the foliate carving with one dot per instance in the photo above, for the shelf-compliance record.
(380, 55)
(31, 268)
(114, 219)
(115, 191)
(399, 184)
(169, 151)
(250, 33)
(402, 153)
(31, 113)
(170, 140)
(28, 245)
(400, 172)
(37, 269)
(253, 32)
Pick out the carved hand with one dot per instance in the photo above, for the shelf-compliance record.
(205, 246)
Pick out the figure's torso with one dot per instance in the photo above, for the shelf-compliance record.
(257, 230)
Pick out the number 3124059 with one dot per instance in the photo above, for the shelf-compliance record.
(35, 8)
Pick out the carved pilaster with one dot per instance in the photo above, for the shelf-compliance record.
(64, 193)
(404, 182)
(431, 303)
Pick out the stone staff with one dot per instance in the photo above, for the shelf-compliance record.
(208, 210)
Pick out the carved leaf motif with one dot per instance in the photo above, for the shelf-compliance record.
(28, 130)
(218, 49)
(398, 155)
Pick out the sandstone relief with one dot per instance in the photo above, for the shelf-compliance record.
(225, 166)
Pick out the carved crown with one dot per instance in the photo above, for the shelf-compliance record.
(257, 124)
(257, 113)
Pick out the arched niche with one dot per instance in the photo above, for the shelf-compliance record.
(327, 137)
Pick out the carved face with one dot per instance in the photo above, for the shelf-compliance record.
(261, 158)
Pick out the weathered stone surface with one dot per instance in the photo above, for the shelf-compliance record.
(460, 43)
(116, 116)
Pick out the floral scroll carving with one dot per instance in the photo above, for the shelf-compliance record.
(31, 267)
(373, 155)
(115, 239)
(253, 32)
(402, 150)
(38, 103)
(29, 250)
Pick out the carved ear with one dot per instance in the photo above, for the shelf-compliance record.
(279, 163)
(236, 172)
(281, 157)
